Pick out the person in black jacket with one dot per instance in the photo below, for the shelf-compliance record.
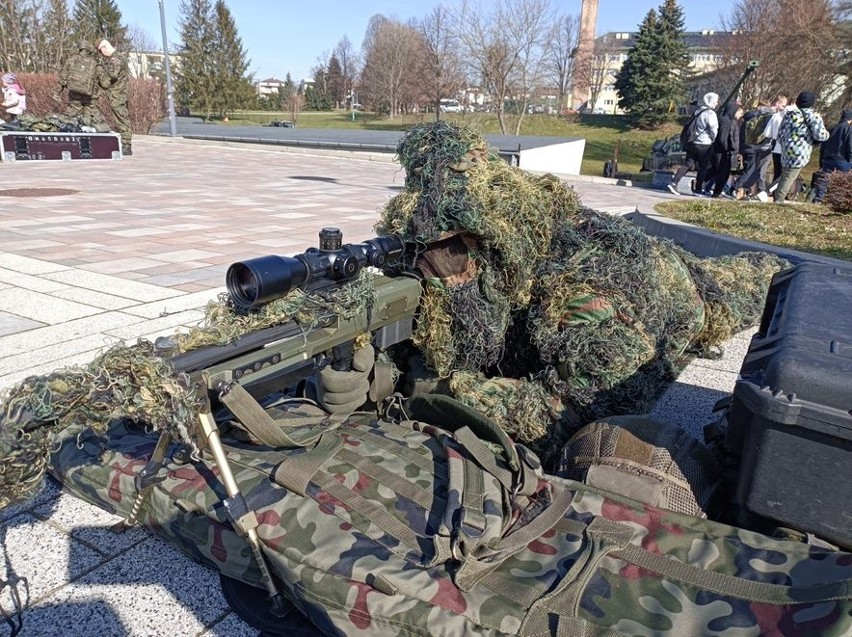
(836, 153)
(726, 148)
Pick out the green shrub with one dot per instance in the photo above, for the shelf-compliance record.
(839, 194)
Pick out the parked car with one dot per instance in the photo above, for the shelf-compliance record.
(450, 106)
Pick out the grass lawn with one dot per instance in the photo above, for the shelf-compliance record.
(806, 227)
(601, 132)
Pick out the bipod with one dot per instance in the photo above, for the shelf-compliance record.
(144, 480)
(242, 518)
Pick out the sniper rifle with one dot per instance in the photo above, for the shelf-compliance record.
(274, 359)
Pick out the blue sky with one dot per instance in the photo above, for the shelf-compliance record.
(288, 35)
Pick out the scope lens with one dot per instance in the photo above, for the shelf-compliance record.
(257, 281)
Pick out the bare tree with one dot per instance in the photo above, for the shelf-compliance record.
(504, 47)
(561, 50)
(34, 35)
(348, 58)
(140, 41)
(441, 74)
(795, 42)
(595, 70)
(389, 53)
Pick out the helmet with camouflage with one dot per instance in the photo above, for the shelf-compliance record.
(85, 45)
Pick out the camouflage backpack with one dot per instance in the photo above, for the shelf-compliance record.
(375, 527)
(82, 72)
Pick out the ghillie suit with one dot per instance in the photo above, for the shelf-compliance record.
(543, 314)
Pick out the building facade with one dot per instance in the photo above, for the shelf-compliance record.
(611, 49)
(151, 64)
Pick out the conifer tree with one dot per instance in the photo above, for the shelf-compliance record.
(195, 83)
(59, 42)
(94, 20)
(233, 89)
(650, 82)
(336, 81)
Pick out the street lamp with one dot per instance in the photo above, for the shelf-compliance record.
(170, 92)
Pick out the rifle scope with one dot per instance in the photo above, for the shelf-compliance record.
(257, 281)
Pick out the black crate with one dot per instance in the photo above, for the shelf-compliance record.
(790, 419)
(28, 146)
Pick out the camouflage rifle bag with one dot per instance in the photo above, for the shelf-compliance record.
(381, 528)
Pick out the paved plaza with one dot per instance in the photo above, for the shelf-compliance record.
(93, 253)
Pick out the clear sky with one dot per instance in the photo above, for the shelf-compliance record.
(284, 36)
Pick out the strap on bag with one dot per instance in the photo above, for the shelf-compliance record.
(270, 431)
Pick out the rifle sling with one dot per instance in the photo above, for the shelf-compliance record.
(268, 430)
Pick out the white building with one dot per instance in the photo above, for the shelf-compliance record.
(151, 64)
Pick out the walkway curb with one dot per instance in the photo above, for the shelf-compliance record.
(707, 243)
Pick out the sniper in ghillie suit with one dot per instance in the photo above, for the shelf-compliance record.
(440, 431)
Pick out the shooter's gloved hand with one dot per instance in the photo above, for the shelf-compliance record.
(342, 392)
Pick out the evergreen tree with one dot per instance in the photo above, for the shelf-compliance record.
(233, 89)
(94, 20)
(316, 95)
(650, 82)
(336, 81)
(58, 39)
(195, 84)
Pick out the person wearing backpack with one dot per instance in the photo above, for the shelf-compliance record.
(114, 80)
(800, 129)
(756, 148)
(698, 134)
(79, 76)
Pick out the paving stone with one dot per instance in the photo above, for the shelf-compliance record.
(44, 555)
(42, 307)
(105, 283)
(150, 590)
(89, 524)
(30, 282)
(12, 324)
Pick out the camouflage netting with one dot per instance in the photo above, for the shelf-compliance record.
(554, 314)
(136, 382)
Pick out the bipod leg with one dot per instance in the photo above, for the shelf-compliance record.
(243, 519)
(145, 479)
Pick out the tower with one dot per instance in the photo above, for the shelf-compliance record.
(585, 49)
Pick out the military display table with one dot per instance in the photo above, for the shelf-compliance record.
(31, 145)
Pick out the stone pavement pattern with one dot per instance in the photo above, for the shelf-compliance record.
(136, 250)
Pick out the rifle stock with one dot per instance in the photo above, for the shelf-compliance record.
(275, 358)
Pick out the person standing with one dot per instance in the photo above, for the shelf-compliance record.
(699, 149)
(771, 132)
(800, 129)
(14, 97)
(726, 147)
(757, 151)
(79, 76)
(114, 79)
(836, 153)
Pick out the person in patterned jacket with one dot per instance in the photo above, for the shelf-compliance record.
(800, 130)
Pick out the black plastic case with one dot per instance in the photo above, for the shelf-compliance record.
(790, 419)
